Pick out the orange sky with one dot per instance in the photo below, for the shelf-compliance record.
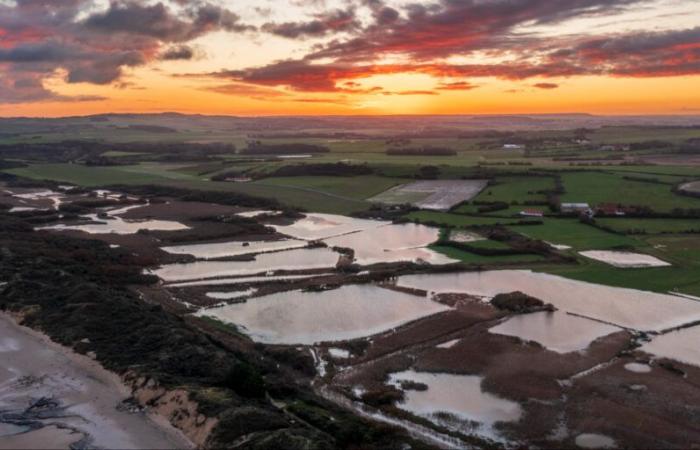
(296, 59)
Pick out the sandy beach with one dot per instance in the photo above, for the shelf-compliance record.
(53, 398)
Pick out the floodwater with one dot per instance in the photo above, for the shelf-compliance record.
(231, 295)
(557, 331)
(625, 260)
(629, 308)
(461, 397)
(682, 345)
(244, 280)
(32, 369)
(449, 344)
(392, 243)
(350, 312)
(323, 226)
(339, 353)
(237, 248)
(117, 225)
(302, 259)
(638, 367)
(257, 213)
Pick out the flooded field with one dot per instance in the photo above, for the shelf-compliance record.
(625, 259)
(440, 195)
(627, 308)
(349, 312)
(302, 259)
(557, 331)
(682, 346)
(322, 226)
(456, 402)
(237, 248)
(75, 401)
(392, 243)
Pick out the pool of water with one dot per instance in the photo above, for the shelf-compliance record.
(557, 331)
(323, 226)
(350, 312)
(461, 397)
(302, 259)
(630, 308)
(682, 346)
(392, 243)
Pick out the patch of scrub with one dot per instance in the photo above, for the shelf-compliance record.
(638, 367)
(245, 280)
(596, 441)
(628, 308)
(350, 312)
(682, 346)
(237, 248)
(439, 195)
(303, 259)
(625, 260)
(392, 243)
(454, 401)
(556, 331)
(231, 295)
(323, 226)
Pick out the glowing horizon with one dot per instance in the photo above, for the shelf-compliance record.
(368, 57)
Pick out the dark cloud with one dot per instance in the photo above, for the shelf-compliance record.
(178, 52)
(323, 24)
(39, 37)
(457, 86)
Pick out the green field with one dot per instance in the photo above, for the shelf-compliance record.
(596, 188)
(471, 258)
(575, 234)
(516, 189)
(650, 226)
(456, 220)
(357, 188)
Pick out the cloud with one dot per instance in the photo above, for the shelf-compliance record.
(40, 38)
(178, 52)
(323, 24)
(457, 86)
(546, 85)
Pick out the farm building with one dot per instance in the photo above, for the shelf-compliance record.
(610, 209)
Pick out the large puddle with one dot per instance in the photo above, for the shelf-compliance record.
(628, 308)
(323, 226)
(456, 402)
(557, 331)
(302, 259)
(392, 243)
(114, 224)
(226, 249)
(625, 260)
(682, 345)
(349, 312)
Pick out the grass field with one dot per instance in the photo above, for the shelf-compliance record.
(358, 188)
(651, 226)
(519, 189)
(575, 234)
(595, 188)
(471, 258)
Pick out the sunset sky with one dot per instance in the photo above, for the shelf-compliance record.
(271, 57)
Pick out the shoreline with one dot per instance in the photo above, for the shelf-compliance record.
(86, 388)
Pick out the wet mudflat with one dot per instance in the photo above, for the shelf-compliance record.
(50, 398)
